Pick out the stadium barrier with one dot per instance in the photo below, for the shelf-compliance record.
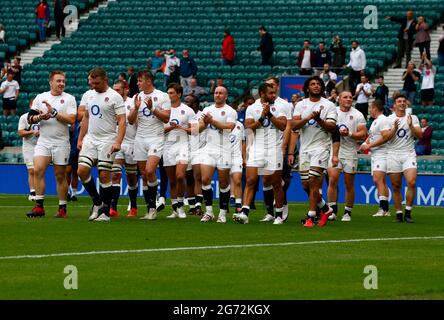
(430, 188)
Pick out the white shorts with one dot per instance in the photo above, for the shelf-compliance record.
(147, 147)
(315, 158)
(236, 166)
(28, 157)
(58, 154)
(215, 158)
(379, 163)
(400, 162)
(97, 150)
(126, 153)
(347, 165)
(175, 153)
(267, 159)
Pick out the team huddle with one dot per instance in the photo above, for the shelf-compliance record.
(118, 132)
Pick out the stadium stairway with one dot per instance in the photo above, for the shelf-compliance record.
(39, 48)
(392, 77)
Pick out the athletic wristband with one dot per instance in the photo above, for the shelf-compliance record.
(54, 113)
(261, 120)
(270, 115)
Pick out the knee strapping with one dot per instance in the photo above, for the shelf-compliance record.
(105, 166)
(86, 161)
(116, 168)
(131, 168)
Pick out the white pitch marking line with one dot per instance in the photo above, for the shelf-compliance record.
(69, 254)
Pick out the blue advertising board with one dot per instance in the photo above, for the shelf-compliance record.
(429, 192)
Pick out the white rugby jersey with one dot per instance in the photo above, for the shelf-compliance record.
(350, 120)
(148, 124)
(379, 124)
(237, 135)
(52, 131)
(182, 116)
(312, 135)
(103, 109)
(197, 139)
(403, 141)
(267, 136)
(30, 141)
(216, 139)
(131, 129)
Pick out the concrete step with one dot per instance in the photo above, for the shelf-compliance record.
(39, 49)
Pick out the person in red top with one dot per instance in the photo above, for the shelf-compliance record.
(228, 49)
(42, 17)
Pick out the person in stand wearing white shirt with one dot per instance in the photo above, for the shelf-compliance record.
(375, 143)
(30, 135)
(125, 157)
(316, 118)
(357, 65)
(363, 91)
(10, 90)
(265, 123)
(54, 110)
(218, 120)
(306, 59)
(401, 156)
(176, 153)
(101, 135)
(151, 111)
(172, 65)
(351, 126)
(428, 81)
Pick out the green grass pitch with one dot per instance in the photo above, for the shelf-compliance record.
(406, 269)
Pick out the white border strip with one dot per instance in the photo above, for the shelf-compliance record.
(71, 254)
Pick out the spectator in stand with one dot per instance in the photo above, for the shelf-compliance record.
(406, 34)
(428, 72)
(357, 64)
(187, 69)
(363, 91)
(17, 69)
(441, 50)
(43, 16)
(323, 56)
(424, 145)
(132, 81)
(194, 89)
(218, 83)
(295, 98)
(329, 78)
(410, 76)
(59, 17)
(155, 63)
(172, 65)
(306, 59)
(333, 97)
(247, 101)
(266, 46)
(10, 90)
(339, 52)
(2, 34)
(422, 40)
(382, 91)
(122, 77)
(228, 49)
